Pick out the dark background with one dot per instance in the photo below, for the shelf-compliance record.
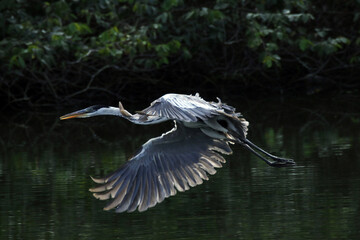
(61, 53)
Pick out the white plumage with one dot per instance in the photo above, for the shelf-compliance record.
(178, 159)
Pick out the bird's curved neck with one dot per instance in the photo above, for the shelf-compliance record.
(120, 112)
(109, 111)
(134, 118)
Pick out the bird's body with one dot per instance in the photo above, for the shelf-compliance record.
(178, 159)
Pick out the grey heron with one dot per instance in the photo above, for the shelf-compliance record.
(178, 159)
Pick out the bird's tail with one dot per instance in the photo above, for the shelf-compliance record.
(241, 128)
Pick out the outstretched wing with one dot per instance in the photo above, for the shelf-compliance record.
(185, 108)
(164, 165)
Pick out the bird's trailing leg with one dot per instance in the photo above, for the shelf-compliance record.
(276, 158)
(278, 161)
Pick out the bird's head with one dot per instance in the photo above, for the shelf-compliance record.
(90, 112)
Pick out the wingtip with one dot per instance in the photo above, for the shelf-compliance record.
(101, 196)
(98, 180)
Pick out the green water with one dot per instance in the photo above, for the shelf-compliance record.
(46, 163)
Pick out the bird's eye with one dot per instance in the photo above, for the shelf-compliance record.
(223, 123)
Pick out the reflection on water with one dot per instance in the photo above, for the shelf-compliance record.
(45, 167)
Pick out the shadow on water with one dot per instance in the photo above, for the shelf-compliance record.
(45, 167)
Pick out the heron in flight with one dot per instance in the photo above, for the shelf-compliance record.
(178, 159)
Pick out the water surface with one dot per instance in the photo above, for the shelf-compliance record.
(45, 167)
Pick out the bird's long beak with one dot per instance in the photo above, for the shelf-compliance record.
(78, 114)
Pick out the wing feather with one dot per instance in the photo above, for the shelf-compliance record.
(176, 161)
(185, 108)
(137, 194)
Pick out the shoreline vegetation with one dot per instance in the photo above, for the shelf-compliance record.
(61, 52)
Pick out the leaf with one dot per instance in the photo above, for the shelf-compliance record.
(204, 11)
(271, 47)
(162, 17)
(162, 50)
(267, 61)
(280, 35)
(189, 15)
(321, 32)
(169, 4)
(276, 57)
(254, 42)
(304, 44)
(306, 17)
(187, 54)
(164, 60)
(13, 61)
(221, 6)
(78, 28)
(343, 40)
(175, 45)
(109, 35)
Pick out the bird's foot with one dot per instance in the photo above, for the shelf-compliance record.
(282, 162)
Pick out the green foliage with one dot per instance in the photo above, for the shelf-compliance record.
(124, 30)
(55, 37)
